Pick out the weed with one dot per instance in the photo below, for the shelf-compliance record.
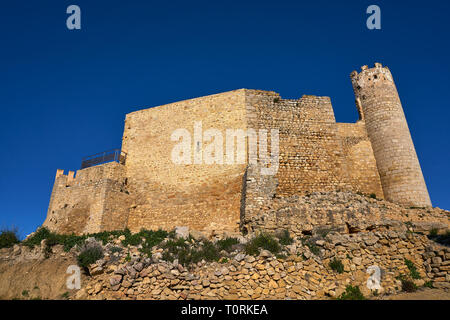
(115, 249)
(128, 257)
(89, 255)
(443, 239)
(408, 286)
(284, 238)
(187, 255)
(262, 241)
(226, 244)
(8, 238)
(337, 265)
(412, 269)
(352, 293)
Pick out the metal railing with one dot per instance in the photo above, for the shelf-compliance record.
(103, 157)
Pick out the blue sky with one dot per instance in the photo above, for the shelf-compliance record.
(64, 94)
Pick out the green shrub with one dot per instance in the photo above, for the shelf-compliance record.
(147, 238)
(226, 244)
(262, 241)
(115, 249)
(281, 256)
(128, 257)
(25, 293)
(187, 254)
(311, 245)
(433, 233)
(443, 239)
(337, 265)
(153, 238)
(284, 238)
(131, 239)
(223, 260)
(172, 234)
(373, 196)
(412, 269)
(207, 252)
(177, 249)
(35, 240)
(428, 284)
(89, 255)
(408, 286)
(70, 241)
(8, 238)
(352, 293)
(313, 248)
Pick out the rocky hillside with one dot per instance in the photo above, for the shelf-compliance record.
(332, 258)
(344, 211)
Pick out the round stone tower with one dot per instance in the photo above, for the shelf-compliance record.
(380, 108)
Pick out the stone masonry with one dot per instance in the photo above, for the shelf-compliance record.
(379, 104)
(374, 156)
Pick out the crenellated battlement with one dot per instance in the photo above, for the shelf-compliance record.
(370, 76)
(378, 104)
(65, 179)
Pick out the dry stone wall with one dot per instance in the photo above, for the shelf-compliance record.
(304, 274)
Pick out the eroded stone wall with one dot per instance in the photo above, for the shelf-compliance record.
(316, 153)
(94, 200)
(343, 212)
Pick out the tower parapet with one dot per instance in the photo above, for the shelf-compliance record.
(379, 106)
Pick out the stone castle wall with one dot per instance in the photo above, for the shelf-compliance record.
(202, 196)
(381, 109)
(94, 200)
(316, 154)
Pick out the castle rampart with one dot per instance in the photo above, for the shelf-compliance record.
(94, 200)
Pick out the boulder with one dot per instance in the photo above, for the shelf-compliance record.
(182, 232)
(115, 280)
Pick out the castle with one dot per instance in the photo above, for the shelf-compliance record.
(145, 188)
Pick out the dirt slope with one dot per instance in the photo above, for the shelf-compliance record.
(42, 279)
